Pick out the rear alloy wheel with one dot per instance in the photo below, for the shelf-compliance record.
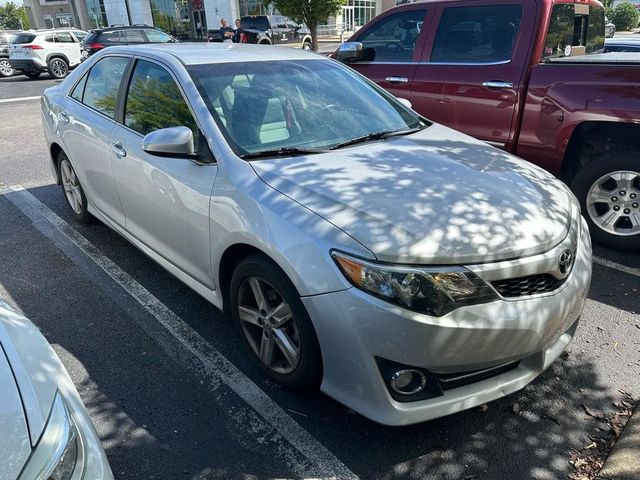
(275, 326)
(609, 193)
(73, 190)
(58, 67)
(6, 70)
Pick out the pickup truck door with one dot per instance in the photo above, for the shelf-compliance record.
(279, 29)
(395, 42)
(471, 74)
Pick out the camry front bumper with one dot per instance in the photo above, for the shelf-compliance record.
(355, 328)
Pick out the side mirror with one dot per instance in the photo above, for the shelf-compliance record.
(170, 142)
(350, 52)
(404, 102)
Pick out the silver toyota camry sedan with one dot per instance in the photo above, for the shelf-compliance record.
(408, 270)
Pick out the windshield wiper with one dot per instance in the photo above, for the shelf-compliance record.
(284, 151)
(375, 136)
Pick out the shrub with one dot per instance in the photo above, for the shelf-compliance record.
(625, 16)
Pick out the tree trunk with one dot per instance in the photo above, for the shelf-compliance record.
(313, 28)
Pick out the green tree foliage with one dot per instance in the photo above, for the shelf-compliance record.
(625, 16)
(13, 17)
(310, 12)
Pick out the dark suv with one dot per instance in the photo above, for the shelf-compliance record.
(6, 37)
(121, 35)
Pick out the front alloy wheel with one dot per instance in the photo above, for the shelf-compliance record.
(5, 68)
(268, 325)
(58, 68)
(274, 324)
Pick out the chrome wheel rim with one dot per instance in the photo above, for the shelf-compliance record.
(71, 186)
(59, 68)
(268, 325)
(5, 68)
(613, 202)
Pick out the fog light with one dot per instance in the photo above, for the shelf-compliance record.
(408, 381)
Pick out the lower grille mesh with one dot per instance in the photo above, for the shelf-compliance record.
(524, 286)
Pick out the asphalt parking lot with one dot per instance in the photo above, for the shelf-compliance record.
(172, 395)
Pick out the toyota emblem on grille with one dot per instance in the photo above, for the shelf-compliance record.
(564, 262)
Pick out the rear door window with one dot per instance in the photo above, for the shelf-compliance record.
(117, 36)
(78, 91)
(134, 36)
(484, 34)
(101, 89)
(51, 38)
(394, 38)
(65, 37)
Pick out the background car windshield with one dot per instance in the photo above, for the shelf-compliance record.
(295, 104)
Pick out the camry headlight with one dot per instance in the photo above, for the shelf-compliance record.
(58, 454)
(434, 291)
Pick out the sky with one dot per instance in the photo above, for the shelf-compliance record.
(17, 2)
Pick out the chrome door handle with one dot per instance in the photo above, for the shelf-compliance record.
(397, 79)
(497, 84)
(64, 117)
(118, 150)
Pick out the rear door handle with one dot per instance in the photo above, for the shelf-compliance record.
(497, 84)
(397, 79)
(118, 150)
(64, 117)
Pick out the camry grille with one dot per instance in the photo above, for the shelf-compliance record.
(530, 285)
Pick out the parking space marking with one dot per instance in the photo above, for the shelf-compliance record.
(616, 266)
(215, 364)
(20, 99)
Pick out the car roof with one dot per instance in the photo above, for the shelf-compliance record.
(622, 41)
(205, 53)
(123, 27)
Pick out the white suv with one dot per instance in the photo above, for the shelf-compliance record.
(55, 51)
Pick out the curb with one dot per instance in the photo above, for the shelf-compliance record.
(623, 463)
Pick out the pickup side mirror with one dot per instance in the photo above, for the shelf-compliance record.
(350, 52)
(170, 142)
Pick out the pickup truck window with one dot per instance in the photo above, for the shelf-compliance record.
(394, 38)
(574, 30)
(255, 23)
(483, 34)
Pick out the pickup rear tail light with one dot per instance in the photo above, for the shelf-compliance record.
(32, 47)
(96, 46)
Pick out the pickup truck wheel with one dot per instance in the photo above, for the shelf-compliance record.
(5, 68)
(306, 45)
(274, 324)
(609, 192)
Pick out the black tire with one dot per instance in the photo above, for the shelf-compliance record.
(57, 67)
(79, 210)
(264, 42)
(308, 372)
(5, 68)
(622, 158)
(306, 45)
(32, 75)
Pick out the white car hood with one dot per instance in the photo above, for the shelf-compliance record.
(35, 367)
(433, 197)
(15, 446)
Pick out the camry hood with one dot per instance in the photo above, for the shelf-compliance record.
(14, 439)
(434, 197)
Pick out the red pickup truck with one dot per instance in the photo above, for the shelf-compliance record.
(527, 76)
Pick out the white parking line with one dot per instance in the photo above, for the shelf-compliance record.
(617, 266)
(216, 366)
(20, 99)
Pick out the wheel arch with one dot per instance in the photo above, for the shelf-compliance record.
(595, 137)
(58, 55)
(54, 151)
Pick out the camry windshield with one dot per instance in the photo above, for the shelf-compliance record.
(303, 106)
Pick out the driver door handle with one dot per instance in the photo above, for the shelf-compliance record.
(497, 84)
(397, 79)
(118, 150)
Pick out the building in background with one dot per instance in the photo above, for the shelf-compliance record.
(184, 19)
